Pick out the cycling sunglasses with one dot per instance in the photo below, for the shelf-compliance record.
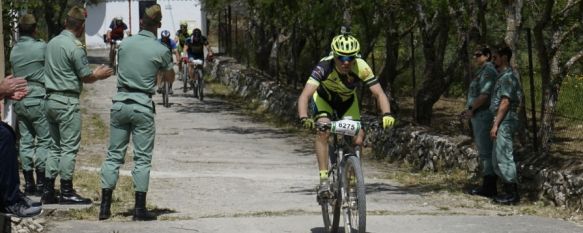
(345, 58)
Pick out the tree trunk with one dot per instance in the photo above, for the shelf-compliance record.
(392, 41)
(434, 36)
(428, 94)
(548, 118)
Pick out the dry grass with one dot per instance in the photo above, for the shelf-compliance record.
(445, 190)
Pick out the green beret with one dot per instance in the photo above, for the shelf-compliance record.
(77, 13)
(153, 13)
(27, 19)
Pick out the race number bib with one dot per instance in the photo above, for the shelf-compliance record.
(346, 127)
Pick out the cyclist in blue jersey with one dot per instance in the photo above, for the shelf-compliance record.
(168, 75)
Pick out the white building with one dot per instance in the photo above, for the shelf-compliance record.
(173, 11)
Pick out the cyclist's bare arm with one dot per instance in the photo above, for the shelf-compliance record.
(381, 97)
(185, 49)
(308, 91)
(109, 35)
(177, 54)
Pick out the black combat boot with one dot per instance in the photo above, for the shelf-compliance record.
(69, 196)
(510, 197)
(49, 196)
(488, 188)
(29, 185)
(140, 211)
(105, 208)
(40, 182)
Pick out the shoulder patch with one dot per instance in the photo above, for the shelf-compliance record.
(79, 44)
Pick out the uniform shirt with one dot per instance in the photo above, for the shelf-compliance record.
(483, 83)
(28, 61)
(66, 63)
(507, 85)
(140, 59)
(335, 87)
(117, 30)
(196, 47)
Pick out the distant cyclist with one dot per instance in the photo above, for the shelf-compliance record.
(194, 49)
(169, 75)
(180, 38)
(117, 30)
(332, 87)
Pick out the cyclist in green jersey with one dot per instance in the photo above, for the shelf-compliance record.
(180, 38)
(332, 87)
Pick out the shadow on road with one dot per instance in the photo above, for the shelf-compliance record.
(386, 188)
(265, 132)
(155, 211)
(207, 106)
(370, 189)
(322, 230)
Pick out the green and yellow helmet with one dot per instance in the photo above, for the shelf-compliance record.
(345, 45)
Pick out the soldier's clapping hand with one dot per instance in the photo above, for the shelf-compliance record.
(102, 72)
(13, 88)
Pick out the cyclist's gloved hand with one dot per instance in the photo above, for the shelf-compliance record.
(307, 122)
(388, 120)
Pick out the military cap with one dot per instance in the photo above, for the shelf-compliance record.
(77, 13)
(153, 13)
(27, 19)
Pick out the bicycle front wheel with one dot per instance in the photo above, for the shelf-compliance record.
(200, 85)
(355, 202)
(185, 77)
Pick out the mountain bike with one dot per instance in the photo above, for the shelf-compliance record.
(198, 82)
(347, 191)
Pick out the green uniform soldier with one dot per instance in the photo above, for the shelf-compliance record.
(28, 60)
(141, 57)
(504, 105)
(479, 94)
(66, 69)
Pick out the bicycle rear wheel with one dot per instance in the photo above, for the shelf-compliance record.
(331, 206)
(353, 185)
(165, 94)
(200, 85)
